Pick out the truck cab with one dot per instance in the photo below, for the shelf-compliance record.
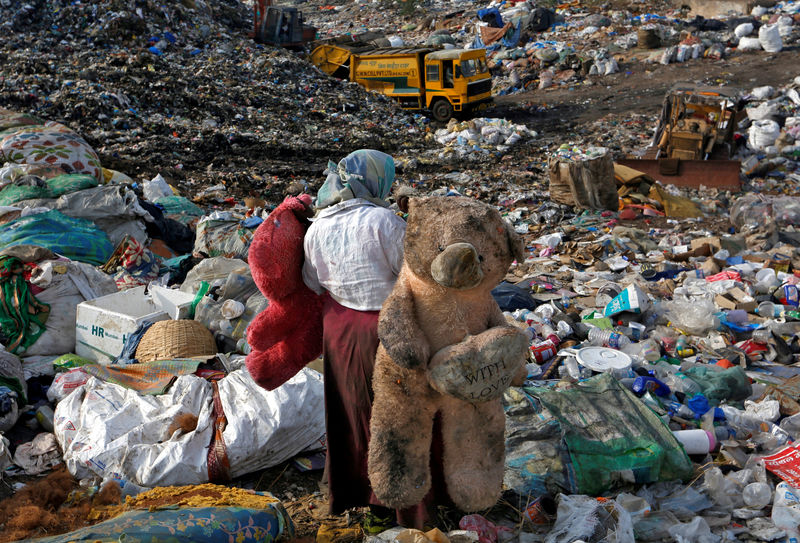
(456, 80)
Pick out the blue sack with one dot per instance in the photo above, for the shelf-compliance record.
(76, 239)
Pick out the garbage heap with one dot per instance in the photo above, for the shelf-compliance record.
(531, 45)
(181, 90)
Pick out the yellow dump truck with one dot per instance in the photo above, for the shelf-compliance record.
(442, 80)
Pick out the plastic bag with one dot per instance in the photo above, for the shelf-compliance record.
(749, 44)
(211, 270)
(762, 112)
(762, 134)
(65, 383)
(697, 531)
(693, 316)
(744, 29)
(751, 210)
(770, 38)
(786, 510)
(65, 284)
(156, 188)
(582, 517)
(13, 380)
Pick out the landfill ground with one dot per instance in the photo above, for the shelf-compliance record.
(201, 132)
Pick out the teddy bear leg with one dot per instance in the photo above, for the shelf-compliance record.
(473, 436)
(400, 440)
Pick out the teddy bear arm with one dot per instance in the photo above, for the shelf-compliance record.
(399, 332)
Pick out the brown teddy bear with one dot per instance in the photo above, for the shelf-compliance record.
(445, 348)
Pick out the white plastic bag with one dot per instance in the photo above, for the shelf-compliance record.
(763, 93)
(156, 188)
(749, 44)
(66, 285)
(770, 38)
(744, 29)
(786, 511)
(764, 111)
(762, 134)
(696, 531)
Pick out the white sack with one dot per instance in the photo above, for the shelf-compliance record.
(66, 285)
(113, 432)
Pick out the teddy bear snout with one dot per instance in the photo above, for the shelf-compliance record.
(458, 267)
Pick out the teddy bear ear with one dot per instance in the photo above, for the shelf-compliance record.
(515, 243)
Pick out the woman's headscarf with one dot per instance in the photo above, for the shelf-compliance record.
(365, 173)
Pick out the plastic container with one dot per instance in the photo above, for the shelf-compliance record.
(696, 441)
(608, 338)
(45, 417)
(103, 324)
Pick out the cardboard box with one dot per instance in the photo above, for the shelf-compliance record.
(736, 298)
(713, 241)
(102, 325)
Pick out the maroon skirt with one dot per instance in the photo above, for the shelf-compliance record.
(349, 345)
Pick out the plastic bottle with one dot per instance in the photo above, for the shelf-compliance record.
(608, 338)
(786, 511)
(745, 424)
(696, 441)
(526, 315)
(769, 309)
(680, 410)
(762, 336)
(687, 386)
(572, 368)
(757, 495)
(545, 312)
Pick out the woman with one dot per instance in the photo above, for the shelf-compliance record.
(353, 252)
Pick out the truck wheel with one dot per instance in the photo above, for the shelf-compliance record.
(442, 110)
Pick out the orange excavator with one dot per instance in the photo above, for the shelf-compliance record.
(280, 26)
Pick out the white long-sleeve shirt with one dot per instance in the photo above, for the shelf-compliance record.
(354, 250)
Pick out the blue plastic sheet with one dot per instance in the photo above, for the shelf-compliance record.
(76, 239)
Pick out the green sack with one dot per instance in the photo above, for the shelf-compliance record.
(11, 194)
(179, 208)
(68, 183)
(612, 437)
(731, 384)
(56, 186)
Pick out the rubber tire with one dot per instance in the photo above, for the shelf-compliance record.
(442, 110)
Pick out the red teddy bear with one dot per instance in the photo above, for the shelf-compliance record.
(287, 335)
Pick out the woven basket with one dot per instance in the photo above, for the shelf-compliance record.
(167, 340)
